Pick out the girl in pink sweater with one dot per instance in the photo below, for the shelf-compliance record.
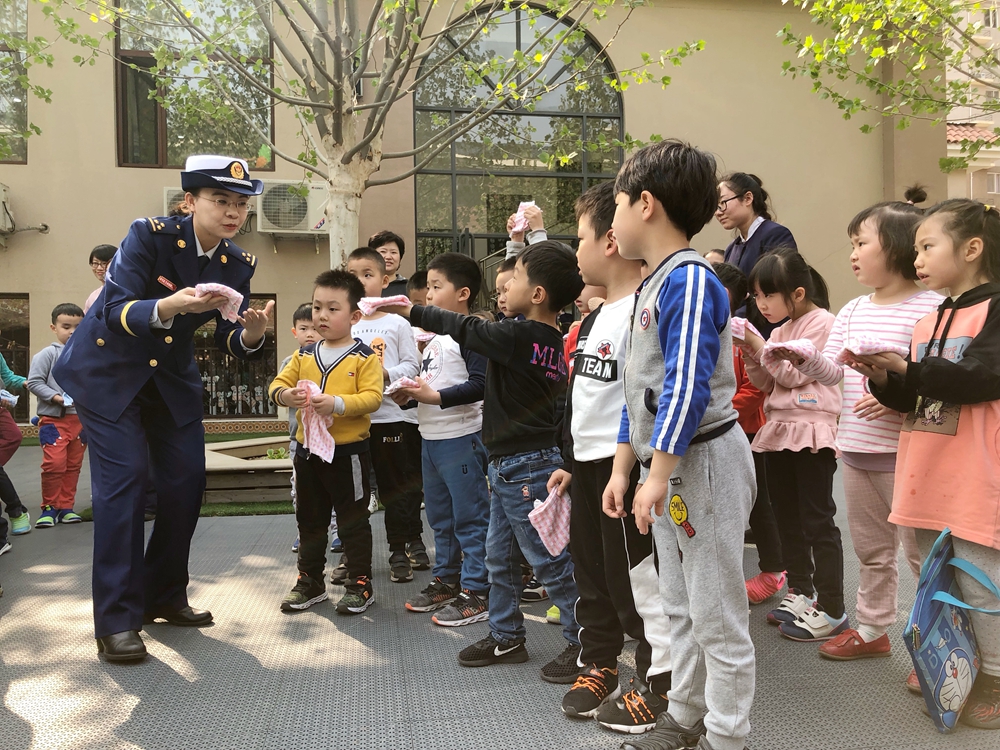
(798, 441)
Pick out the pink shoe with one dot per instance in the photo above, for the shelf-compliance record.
(762, 587)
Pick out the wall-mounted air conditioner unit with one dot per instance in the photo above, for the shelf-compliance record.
(284, 211)
(171, 197)
(6, 212)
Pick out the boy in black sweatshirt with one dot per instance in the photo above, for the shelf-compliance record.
(525, 387)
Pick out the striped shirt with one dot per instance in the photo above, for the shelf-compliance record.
(892, 324)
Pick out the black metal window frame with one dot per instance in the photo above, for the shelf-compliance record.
(7, 52)
(461, 237)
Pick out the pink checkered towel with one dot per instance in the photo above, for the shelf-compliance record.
(423, 336)
(803, 347)
(520, 222)
(369, 305)
(399, 384)
(739, 327)
(315, 426)
(231, 310)
(862, 345)
(551, 520)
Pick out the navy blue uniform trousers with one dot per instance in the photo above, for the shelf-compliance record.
(123, 453)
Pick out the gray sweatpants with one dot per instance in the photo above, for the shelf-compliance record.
(987, 627)
(699, 542)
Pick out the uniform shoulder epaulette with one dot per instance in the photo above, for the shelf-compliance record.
(238, 252)
(163, 225)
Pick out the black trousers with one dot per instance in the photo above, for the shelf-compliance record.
(9, 496)
(395, 448)
(762, 523)
(801, 487)
(604, 552)
(320, 488)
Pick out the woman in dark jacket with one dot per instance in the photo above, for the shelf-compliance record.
(743, 207)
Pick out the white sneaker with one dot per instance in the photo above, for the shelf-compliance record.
(5, 546)
(791, 608)
(814, 625)
(373, 503)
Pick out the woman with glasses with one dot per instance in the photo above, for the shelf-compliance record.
(100, 257)
(743, 206)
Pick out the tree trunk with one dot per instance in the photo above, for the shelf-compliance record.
(342, 218)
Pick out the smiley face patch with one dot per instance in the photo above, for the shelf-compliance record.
(679, 513)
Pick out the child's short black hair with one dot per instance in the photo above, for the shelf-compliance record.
(552, 265)
(338, 279)
(784, 270)
(965, 219)
(681, 177)
(598, 205)
(460, 270)
(303, 312)
(896, 225)
(735, 282)
(384, 238)
(418, 280)
(367, 253)
(66, 308)
(103, 253)
(507, 265)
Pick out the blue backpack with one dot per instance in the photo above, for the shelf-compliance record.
(939, 634)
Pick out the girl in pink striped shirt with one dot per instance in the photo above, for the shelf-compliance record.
(882, 258)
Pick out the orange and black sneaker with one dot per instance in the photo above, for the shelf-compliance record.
(358, 597)
(593, 686)
(635, 711)
(983, 709)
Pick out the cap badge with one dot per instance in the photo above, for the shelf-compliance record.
(236, 170)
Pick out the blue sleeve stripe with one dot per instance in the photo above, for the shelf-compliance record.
(687, 359)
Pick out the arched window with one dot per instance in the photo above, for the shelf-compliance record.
(464, 196)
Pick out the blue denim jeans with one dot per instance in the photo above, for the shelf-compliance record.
(517, 481)
(457, 502)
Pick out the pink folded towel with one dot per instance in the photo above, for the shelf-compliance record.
(369, 305)
(862, 345)
(520, 221)
(399, 384)
(231, 310)
(803, 347)
(739, 327)
(422, 336)
(551, 520)
(315, 426)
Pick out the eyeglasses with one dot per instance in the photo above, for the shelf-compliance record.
(724, 201)
(223, 204)
(99, 264)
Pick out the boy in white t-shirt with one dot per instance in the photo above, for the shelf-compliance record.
(449, 405)
(395, 440)
(614, 566)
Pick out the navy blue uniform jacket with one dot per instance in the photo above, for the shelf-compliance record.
(114, 352)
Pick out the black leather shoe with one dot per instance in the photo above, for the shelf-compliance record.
(186, 616)
(126, 646)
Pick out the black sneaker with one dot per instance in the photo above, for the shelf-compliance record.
(358, 597)
(563, 670)
(305, 593)
(667, 735)
(417, 553)
(983, 709)
(340, 575)
(399, 567)
(489, 651)
(593, 686)
(465, 610)
(438, 594)
(533, 590)
(635, 711)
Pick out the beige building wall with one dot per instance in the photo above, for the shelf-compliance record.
(729, 99)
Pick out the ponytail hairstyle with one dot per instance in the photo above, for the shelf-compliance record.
(915, 194)
(742, 183)
(784, 270)
(965, 219)
(896, 224)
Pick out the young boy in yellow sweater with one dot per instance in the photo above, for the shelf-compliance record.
(348, 378)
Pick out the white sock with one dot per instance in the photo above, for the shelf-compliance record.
(870, 633)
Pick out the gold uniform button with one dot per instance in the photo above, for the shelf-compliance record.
(100, 342)
(168, 339)
(152, 363)
(224, 259)
(181, 244)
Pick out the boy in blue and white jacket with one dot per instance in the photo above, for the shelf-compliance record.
(449, 406)
(678, 423)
